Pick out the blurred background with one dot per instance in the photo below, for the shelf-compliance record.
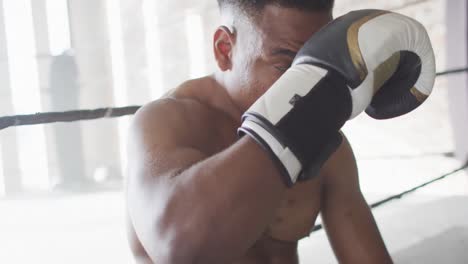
(62, 185)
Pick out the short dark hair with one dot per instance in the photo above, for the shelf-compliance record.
(255, 6)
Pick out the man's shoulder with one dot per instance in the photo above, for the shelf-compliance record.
(341, 162)
(192, 90)
(179, 114)
(345, 150)
(181, 102)
(169, 113)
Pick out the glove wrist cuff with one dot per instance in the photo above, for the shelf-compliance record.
(289, 165)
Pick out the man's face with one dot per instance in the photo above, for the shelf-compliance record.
(264, 49)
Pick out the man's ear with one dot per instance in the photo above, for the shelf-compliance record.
(223, 43)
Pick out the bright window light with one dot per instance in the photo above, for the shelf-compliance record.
(118, 74)
(58, 26)
(2, 176)
(25, 91)
(194, 31)
(153, 48)
(117, 52)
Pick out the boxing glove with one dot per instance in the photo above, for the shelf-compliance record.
(367, 60)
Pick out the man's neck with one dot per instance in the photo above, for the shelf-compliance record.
(223, 100)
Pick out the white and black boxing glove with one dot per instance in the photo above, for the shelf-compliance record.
(372, 60)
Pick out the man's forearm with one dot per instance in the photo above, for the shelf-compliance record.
(219, 207)
(239, 190)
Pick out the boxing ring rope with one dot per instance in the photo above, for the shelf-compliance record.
(112, 112)
(68, 116)
(452, 71)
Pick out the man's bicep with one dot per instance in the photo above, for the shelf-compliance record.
(347, 218)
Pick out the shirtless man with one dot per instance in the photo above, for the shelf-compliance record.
(197, 193)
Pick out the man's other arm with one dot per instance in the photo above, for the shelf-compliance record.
(188, 207)
(347, 218)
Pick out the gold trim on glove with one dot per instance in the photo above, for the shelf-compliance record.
(353, 43)
(385, 70)
(418, 95)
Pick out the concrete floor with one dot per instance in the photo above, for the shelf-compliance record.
(88, 228)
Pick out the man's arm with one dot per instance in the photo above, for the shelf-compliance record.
(187, 207)
(347, 218)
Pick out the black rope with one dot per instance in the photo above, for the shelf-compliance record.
(402, 194)
(452, 71)
(68, 116)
